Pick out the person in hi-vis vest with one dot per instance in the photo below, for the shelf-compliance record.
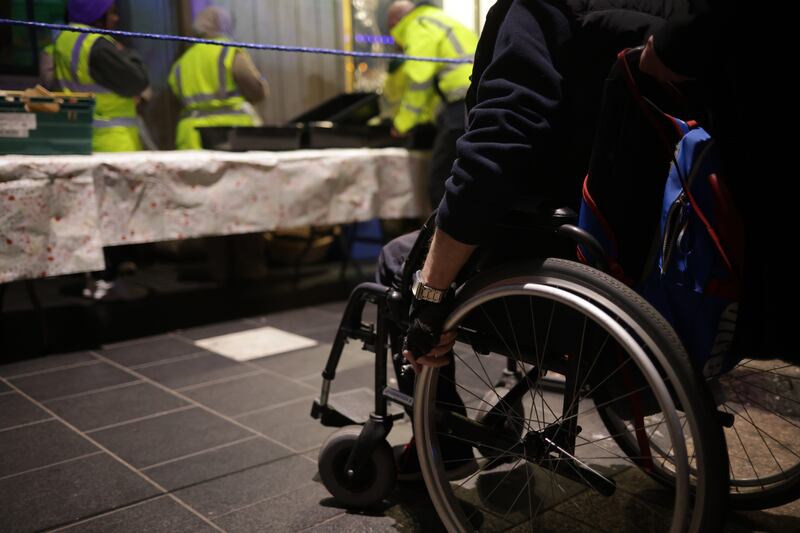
(214, 83)
(99, 64)
(433, 92)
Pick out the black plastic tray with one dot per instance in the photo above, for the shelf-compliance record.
(243, 139)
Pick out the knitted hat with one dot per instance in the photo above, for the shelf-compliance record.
(88, 11)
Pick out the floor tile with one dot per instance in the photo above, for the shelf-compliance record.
(215, 330)
(161, 515)
(216, 463)
(41, 364)
(778, 519)
(65, 493)
(255, 343)
(104, 408)
(358, 404)
(353, 378)
(16, 410)
(369, 314)
(70, 381)
(166, 437)
(247, 393)
(298, 320)
(39, 445)
(337, 308)
(202, 369)
(325, 334)
(304, 363)
(153, 350)
(354, 523)
(250, 486)
(290, 425)
(291, 512)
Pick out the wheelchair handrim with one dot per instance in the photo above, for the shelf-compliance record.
(433, 472)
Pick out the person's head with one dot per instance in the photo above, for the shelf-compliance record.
(213, 22)
(397, 11)
(98, 13)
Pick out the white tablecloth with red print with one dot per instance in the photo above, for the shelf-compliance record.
(58, 212)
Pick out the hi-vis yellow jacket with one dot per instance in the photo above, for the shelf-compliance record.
(203, 80)
(429, 32)
(115, 127)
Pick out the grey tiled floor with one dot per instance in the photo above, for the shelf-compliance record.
(159, 435)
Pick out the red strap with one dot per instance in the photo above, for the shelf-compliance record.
(711, 232)
(729, 222)
(647, 110)
(649, 113)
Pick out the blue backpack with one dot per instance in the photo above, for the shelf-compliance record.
(693, 277)
(691, 273)
(693, 281)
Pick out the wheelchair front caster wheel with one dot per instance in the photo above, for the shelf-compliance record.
(365, 488)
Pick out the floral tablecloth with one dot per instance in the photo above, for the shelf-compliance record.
(57, 213)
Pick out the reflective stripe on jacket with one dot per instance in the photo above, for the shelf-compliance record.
(202, 79)
(115, 126)
(429, 32)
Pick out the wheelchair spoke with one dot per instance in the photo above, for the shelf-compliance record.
(757, 370)
(753, 385)
(728, 407)
(462, 387)
(609, 437)
(609, 402)
(497, 331)
(519, 353)
(744, 449)
(526, 486)
(758, 430)
(539, 359)
(492, 388)
(757, 403)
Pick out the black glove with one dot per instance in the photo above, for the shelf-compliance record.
(426, 320)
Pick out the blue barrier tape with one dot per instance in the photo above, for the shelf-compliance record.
(253, 46)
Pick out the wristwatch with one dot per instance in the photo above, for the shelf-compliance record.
(424, 292)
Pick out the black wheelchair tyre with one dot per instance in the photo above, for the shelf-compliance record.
(710, 481)
(375, 482)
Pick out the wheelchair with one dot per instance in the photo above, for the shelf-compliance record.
(576, 394)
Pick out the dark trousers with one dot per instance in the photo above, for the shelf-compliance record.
(389, 273)
(450, 126)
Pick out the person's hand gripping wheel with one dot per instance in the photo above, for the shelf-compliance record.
(426, 344)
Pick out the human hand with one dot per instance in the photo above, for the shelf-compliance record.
(651, 64)
(425, 344)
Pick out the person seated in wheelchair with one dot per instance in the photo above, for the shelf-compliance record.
(532, 106)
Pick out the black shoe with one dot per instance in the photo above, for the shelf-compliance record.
(459, 461)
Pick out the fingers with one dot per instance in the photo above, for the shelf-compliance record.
(446, 343)
(433, 362)
(413, 361)
(434, 358)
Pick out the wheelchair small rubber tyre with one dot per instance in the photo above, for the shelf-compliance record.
(377, 479)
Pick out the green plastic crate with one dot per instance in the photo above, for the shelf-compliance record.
(27, 128)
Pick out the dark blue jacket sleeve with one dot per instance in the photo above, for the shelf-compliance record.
(518, 98)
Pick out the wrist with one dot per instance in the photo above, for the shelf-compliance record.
(431, 280)
(423, 292)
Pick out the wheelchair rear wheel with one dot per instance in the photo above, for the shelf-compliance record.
(557, 464)
(759, 405)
